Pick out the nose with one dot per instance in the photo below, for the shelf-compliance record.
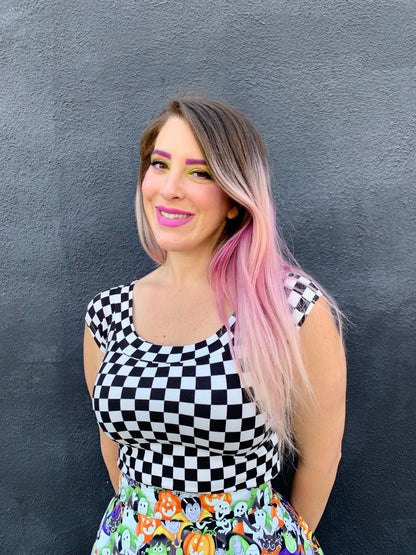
(171, 187)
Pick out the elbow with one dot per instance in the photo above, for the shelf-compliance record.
(335, 464)
(326, 463)
(331, 462)
(337, 457)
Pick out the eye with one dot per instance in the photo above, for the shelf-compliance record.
(158, 164)
(201, 174)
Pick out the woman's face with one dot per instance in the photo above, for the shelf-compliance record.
(185, 208)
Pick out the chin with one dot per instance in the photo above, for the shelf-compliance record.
(168, 246)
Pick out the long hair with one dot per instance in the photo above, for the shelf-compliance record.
(250, 260)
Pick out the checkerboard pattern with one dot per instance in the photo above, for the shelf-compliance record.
(302, 294)
(181, 417)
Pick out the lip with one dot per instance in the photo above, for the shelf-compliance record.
(172, 210)
(168, 222)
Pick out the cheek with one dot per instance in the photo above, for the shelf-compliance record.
(223, 201)
(149, 192)
(148, 186)
(215, 199)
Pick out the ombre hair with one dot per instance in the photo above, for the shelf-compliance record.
(250, 260)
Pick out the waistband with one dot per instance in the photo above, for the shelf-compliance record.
(165, 504)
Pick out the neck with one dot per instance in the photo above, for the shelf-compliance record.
(185, 270)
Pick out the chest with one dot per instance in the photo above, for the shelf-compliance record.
(190, 396)
(174, 317)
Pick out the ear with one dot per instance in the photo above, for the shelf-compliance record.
(232, 212)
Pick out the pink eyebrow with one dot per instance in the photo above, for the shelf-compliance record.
(162, 153)
(195, 161)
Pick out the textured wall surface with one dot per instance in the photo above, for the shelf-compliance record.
(331, 85)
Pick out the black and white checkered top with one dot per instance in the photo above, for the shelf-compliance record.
(180, 415)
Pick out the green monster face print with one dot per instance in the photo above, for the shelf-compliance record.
(159, 547)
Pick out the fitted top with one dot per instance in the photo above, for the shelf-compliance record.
(181, 417)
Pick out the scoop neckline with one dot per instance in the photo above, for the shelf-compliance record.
(216, 335)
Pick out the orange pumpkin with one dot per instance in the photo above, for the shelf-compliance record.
(198, 544)
(209, 500)
(147, 525)
(168, 505)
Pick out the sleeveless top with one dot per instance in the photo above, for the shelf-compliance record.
(181, 417)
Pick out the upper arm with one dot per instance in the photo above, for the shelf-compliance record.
(93, 358)
(319, 421)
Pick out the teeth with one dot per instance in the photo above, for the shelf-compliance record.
(174, 216)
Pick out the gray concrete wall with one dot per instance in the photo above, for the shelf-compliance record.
(331, 85)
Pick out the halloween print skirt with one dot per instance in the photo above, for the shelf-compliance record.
(143, 520)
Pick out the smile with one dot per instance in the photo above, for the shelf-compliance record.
(172, 217)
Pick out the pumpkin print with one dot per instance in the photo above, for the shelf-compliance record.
(147, 525)
(209, 500)
(197, 543)
(168, 505)
(250, 521)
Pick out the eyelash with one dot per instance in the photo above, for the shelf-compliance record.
(200, 174)
(157, 163)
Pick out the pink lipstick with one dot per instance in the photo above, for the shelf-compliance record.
(172, 217)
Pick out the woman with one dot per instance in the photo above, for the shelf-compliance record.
(195, 419)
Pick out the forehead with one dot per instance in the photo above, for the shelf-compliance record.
(177, 138)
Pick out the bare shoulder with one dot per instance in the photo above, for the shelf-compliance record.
(150, 278)
(320, 323)
(148, 284)
(323, 350)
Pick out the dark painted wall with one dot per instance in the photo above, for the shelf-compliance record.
(331, 85)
